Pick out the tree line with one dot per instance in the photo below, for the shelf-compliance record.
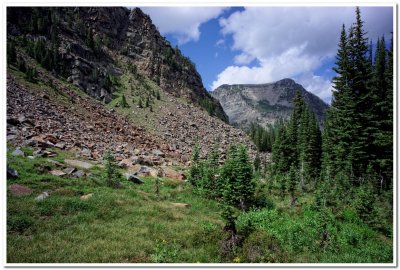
(348, 163)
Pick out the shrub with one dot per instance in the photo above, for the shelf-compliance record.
(261, 247)
(20, 223)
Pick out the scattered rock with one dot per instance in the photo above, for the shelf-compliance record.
(125, 163)
(79, 163)
(38, 153)
(86, 152)
(40, 141)
(143, 170)
(158, 153)
(182, 205)
(86, 197)
(78, 174)
(18, 152)
(49, 154)
(44, 168)
(24, 121)
(57, 173)
(55, 162)
(12, 173)
(60, 145)
(133, 178)
(19, 190)
(42, 196)
(170, 173)
(69, 170)
(12, 121)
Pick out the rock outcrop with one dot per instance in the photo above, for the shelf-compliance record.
(92, 42)
(264, 103)
(111, 43)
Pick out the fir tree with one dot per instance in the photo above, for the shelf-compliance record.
(292, 182)
(195, 170)
(11, 53)
(257, 162)
(124, 104)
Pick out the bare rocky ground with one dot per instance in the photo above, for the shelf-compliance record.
(85, 126)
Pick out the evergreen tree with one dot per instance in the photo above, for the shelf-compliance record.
(298, 144)
(360, 76)
(11, 53)
(111, 169)
(195, 170)
(381, 116)
(359, 127)
(257, 162)
(124, 104)
(237, 175)
(244, 174)
(292, 181)
(212, 183)
(228, 176)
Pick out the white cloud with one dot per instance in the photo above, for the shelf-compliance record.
(291, 42)
(182, 22)
(286, 65)
(243, 59)
(220, 42)
(317, 85)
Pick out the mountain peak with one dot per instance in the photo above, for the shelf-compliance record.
(264, 103)
(286, 81)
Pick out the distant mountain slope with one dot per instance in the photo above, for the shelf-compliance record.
(264, 103)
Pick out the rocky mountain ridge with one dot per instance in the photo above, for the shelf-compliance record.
(76, 102)
(92, 44)
(264, 103)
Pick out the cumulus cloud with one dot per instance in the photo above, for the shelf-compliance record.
(317, 85)
(288, 64)
(182, 22)
(292, 42)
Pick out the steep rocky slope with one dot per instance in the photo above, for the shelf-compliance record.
(120, 85)
(88, 45)
(264, 103)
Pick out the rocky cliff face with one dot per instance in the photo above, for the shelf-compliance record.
(92, 45)
(88, 60)
(264, 103)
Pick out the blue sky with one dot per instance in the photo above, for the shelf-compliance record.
(265, 44)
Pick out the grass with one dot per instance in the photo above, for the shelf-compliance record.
(300, 231)
(135, 89)
(127, 225)
(133, 224)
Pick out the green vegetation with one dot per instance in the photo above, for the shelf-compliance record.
(126, 225)
(264, 138)
(324, 198)
(283, 223)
